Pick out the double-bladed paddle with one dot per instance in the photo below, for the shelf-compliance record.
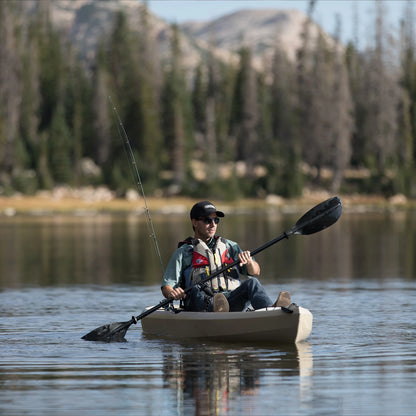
(316, 219)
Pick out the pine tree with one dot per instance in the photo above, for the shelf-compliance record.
(245, 117)
(283, 151)
(325, 108)
(131, 62)
(100, 148)
(10, 86)
(149, 94)
(314, 90)
(407, 105)
(77, 94)
(122, 63)
(205, 104)
(340, 122)
(60, 148)
(31, 99)
(56, 154)
(210, 118)
(382, 97)
(176, 115)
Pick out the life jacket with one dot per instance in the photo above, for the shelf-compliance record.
(206, 261)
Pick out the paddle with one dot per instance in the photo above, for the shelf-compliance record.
(316, 219)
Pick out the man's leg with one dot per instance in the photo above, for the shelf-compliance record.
(249, 291)
(196, 301)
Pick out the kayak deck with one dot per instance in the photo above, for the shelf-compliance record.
(263, 325)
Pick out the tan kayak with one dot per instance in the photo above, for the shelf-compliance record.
(264, 325)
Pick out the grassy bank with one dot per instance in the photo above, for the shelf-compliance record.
(50, 204)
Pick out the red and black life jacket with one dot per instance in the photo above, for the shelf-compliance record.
(206, 261)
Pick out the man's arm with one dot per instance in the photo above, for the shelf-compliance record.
(253, 268)
(171, 279)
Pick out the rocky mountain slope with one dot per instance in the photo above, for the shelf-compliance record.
(260, 29)
(88, 21)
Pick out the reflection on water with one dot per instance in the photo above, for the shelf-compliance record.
(46, 369)
(214, 381)
(106, 249)
(61, 277)
(67, 250)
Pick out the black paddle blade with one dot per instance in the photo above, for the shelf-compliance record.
(319, 217)
(109, 333)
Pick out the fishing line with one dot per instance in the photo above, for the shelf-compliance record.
(130, 155)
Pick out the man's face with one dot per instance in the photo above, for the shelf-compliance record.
(206, 227)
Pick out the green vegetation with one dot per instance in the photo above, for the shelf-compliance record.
(227, 130)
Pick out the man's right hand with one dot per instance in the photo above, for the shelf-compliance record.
(170, 292)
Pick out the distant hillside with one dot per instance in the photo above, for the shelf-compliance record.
(260, 29)
(88, 21)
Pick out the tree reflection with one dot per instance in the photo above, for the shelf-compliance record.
(117, 249)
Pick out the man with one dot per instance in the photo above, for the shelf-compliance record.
(205, 253)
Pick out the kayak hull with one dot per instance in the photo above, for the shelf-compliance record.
(265, 325)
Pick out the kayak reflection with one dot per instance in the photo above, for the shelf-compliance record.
(212, 380)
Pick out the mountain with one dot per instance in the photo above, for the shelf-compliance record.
(87, 22)
(260, 29)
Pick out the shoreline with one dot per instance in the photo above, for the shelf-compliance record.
(78, 205)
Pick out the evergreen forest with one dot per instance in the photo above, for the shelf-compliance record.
(338, 118)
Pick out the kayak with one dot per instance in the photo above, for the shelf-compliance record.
(276, 325)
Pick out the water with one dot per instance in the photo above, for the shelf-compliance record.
(60, 277)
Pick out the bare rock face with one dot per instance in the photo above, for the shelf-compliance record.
(87, 22)
(260, 29)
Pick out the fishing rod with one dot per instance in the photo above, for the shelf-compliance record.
(135, 170)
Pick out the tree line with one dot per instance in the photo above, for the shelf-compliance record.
(337, 118)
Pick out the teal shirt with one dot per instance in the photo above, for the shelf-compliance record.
(182, 259)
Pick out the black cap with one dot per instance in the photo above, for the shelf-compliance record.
(203, 209)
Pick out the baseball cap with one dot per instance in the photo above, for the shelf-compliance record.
(203, 209)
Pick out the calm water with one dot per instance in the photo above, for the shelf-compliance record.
(60, 277)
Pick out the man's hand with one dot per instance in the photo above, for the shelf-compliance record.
(170, 292)
(253, 267)
(245, 257)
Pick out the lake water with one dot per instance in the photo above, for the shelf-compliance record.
(61, 277)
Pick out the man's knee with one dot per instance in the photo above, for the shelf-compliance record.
(252, 283)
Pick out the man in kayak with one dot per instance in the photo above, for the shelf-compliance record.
(199, 256)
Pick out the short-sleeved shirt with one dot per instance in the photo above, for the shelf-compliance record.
(182, 259)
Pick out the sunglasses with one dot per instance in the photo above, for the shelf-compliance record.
(208, 220)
